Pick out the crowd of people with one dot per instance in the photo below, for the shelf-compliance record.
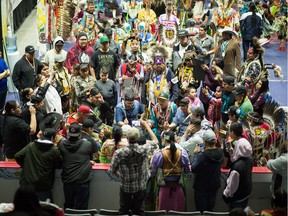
(168, 97)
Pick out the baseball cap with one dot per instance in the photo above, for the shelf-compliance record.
(84, 110)
(233, 110)
(88, 123)
(48, 134)
(125, 129)
(182, 33)
(164, 95)
(108, 31)
(59, 42)
(133, 134)
(34, 100)
(209, 136)
(59, 58)
(184, 102)
(229, 80)
(74, 130)
(198, 111)
(29, 49)
(240, 90)
(104, 39)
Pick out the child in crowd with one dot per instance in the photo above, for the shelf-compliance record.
(108, 90)
(194, 101)
(215, 104)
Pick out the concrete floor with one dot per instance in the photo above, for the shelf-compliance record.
(27, 33)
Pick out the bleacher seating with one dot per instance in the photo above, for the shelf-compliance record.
(171, 212)
(91, 212)
(209, 213)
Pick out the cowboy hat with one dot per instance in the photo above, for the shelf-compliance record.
(51, 120)
(227, 29)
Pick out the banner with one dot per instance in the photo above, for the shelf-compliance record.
(14, 4)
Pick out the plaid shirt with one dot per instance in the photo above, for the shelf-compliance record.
(132, 164)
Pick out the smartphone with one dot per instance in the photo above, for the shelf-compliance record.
(201, 147)
(136, 123)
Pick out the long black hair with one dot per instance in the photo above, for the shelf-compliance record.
(263, 89)
(117, 135)
(252, 8)
(12, 104)
(169, 136)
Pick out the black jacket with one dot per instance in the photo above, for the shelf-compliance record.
(206, 167)
(39, 160)
(244, 167)
(23, 74)
(77, 167)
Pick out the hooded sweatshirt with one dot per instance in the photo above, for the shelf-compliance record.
(75, 52)
(76, 160)
(206, 167)
(39, 160)
(239, 181)
(50, 55)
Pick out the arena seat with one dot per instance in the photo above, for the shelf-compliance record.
(171, 212)
(209, 213)
(108, 212)
(77, 214)
(155, 213)
(91, 212)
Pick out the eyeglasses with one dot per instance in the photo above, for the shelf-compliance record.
(188, 59)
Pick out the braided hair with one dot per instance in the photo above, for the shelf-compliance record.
(169, 136)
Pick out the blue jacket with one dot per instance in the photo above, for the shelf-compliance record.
(248, 30)
(121, 113)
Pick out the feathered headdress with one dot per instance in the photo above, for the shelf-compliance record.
(160, 51)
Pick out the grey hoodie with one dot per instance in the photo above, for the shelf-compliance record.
(49, 56)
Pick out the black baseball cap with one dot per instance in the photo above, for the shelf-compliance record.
(108, 31)
(233, 110)
(74, 130)
(48, 134)
(230, 80)
(35, 99)
(88, 123)
(240, 90)
(182, 33)
(29, 49)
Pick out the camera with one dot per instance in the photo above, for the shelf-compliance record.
(136, 123)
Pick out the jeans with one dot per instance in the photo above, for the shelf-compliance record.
(204, 201)
(243, 204)
(246, 45)
(43, 196)
(132, 201)
(76, 195)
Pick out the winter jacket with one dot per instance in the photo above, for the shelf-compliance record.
(248, 30)
(77, 167)
(39, 160)
(206, 167)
